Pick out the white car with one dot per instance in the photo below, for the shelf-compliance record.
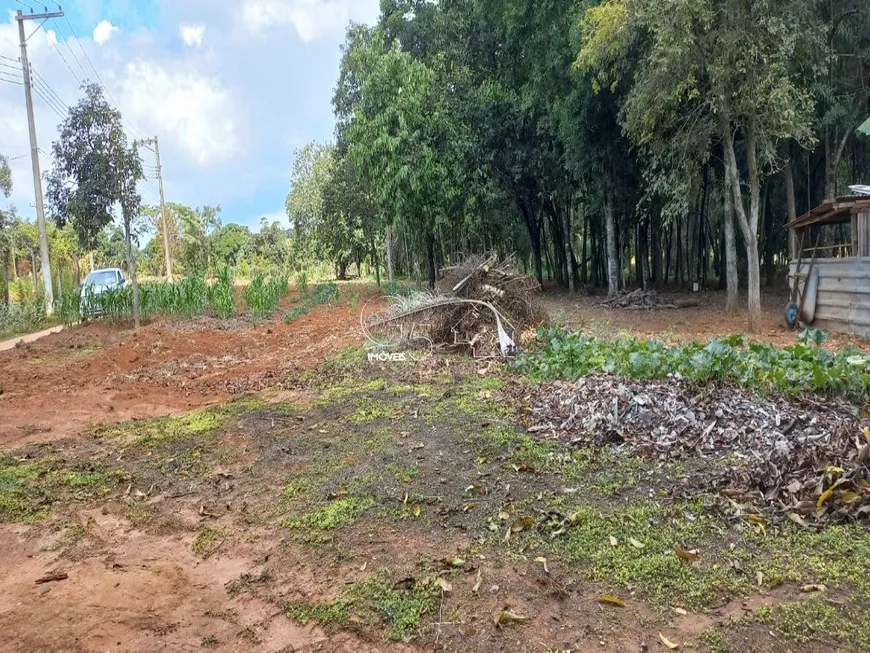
(98, 283)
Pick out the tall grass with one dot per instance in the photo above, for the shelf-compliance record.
(21, 317)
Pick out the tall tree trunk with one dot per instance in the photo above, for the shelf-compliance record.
(612, 255)
(91, 260)
(375, 260)
(430, 256)
(669, 239)
(389, 231)
(569, 250)
(748, 220)
(584, 276)
(732, 303)
(656, 244)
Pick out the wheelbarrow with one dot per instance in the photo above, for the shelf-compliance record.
(804, 287)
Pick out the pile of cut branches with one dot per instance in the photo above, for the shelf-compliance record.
(481, 306)
(644, 300)
(803, 459)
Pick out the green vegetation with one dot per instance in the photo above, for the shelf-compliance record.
(263, 297)
(402, 610)
(788, 371)
(21, 317)
(319, 295)
(314, 526)
(208, 539)
(815, 619)
(154, 432)
(28, 490)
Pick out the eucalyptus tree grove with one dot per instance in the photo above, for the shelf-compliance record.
(607, 144)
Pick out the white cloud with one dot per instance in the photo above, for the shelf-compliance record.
(312, 19)
(192, 109)
(103, 31)
(192, 35)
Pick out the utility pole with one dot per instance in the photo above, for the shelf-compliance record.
(147, 143)
(34, 157)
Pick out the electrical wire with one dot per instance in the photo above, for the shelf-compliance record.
(66, 41)
(57, 49)
(59, 107)
(51, 106)
(99, 79)
(3, 56)
(24, 4)
(39, 79)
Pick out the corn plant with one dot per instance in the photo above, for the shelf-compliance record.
(222, 295)
(302, 281)
(262, 297)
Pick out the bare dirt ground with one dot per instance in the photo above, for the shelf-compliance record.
(709, 319)
(107, 373)
(257, 487)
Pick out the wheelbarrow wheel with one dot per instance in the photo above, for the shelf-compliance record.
(791, 315)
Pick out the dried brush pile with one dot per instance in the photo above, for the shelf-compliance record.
(805, 460)
(481, 306)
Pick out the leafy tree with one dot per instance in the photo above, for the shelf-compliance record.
(712, 69)
(232, 244)
(95, 171)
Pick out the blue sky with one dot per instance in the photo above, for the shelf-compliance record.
(230, 87)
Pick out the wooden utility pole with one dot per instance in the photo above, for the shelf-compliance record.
(34, 157)
(147, 143)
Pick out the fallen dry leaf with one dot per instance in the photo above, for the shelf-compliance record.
(825, 496)
(613, 541)
(667, 642)
(518, 526)
(444, 584)
(454, 561)
(543, 561)
(612, 600)
(689, 556)
(679, 611)
(797, 519)
(637, 544)
(508, 616)
(477, 583)
(816, 587)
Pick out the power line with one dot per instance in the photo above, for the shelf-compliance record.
(49, 96)
(50, 104)
(69, 47)
(47, 88)
(57, 49)
(3, 56)
(25, 4)
(97, 74)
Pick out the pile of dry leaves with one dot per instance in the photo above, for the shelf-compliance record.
(806, 459)
(640, 300)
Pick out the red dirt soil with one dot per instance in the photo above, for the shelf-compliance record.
(101, 373)
(707, 320)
